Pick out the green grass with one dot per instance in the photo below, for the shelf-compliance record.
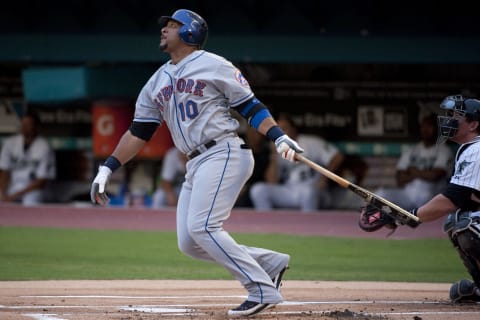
(47, 254)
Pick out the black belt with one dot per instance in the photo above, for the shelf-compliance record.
(201, 149)
(207, 146)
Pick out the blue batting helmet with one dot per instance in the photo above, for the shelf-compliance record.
(194, 29)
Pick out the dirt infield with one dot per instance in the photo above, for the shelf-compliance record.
(171, 299)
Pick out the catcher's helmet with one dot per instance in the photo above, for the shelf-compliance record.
(194, 29)
(462, 106)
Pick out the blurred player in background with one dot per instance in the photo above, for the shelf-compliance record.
(422, 170)
(27, 163)
(171, 178)
(295, 185)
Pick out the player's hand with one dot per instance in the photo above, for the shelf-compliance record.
(287, 147)
(97, 192)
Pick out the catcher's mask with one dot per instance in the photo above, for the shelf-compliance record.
(194, 29)
(456, 107)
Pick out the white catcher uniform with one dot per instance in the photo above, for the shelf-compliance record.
(299, 186)
(193, 98)
(418, 191)
(38, 161)
(467, 166)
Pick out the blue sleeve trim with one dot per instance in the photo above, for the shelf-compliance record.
(245, 109)
(242, 100)
(259, 117)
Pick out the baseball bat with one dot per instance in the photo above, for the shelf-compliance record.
(387, 206)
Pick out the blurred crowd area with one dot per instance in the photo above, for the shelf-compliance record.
(360, 78)
(370, 163)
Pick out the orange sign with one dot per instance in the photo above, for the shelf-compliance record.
(158, 144)
(110, 121)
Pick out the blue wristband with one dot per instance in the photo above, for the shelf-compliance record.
(112, 163)
(274, 133)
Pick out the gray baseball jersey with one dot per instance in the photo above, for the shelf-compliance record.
(193, 98)
(38, 161)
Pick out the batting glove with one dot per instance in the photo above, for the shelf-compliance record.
(287, 147)
(97, 192)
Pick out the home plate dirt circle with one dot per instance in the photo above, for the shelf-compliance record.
(203, 299)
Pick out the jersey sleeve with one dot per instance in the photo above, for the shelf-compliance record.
(147, 106)
(329, 152)
(230, 81)
(46, 168)
(5, 162)
(444, 158)
(323, 151)
(169, 165)
(467, 168)
(405, 159)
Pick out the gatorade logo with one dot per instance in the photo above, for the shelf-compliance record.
(105, 125)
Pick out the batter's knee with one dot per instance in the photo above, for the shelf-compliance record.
(187, 246)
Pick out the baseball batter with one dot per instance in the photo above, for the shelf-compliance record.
(192, 94)
(460, 201)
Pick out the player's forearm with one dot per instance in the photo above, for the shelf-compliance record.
(128, 147)
(403, 177)
(437, 207)
(266, 125)
(34, 185)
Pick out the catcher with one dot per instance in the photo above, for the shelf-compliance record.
(459, 202)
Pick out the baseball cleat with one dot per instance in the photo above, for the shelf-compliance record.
(247, 308)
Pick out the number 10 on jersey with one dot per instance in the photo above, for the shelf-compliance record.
(188, 110)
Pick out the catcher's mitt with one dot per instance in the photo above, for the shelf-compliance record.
(372, 219)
